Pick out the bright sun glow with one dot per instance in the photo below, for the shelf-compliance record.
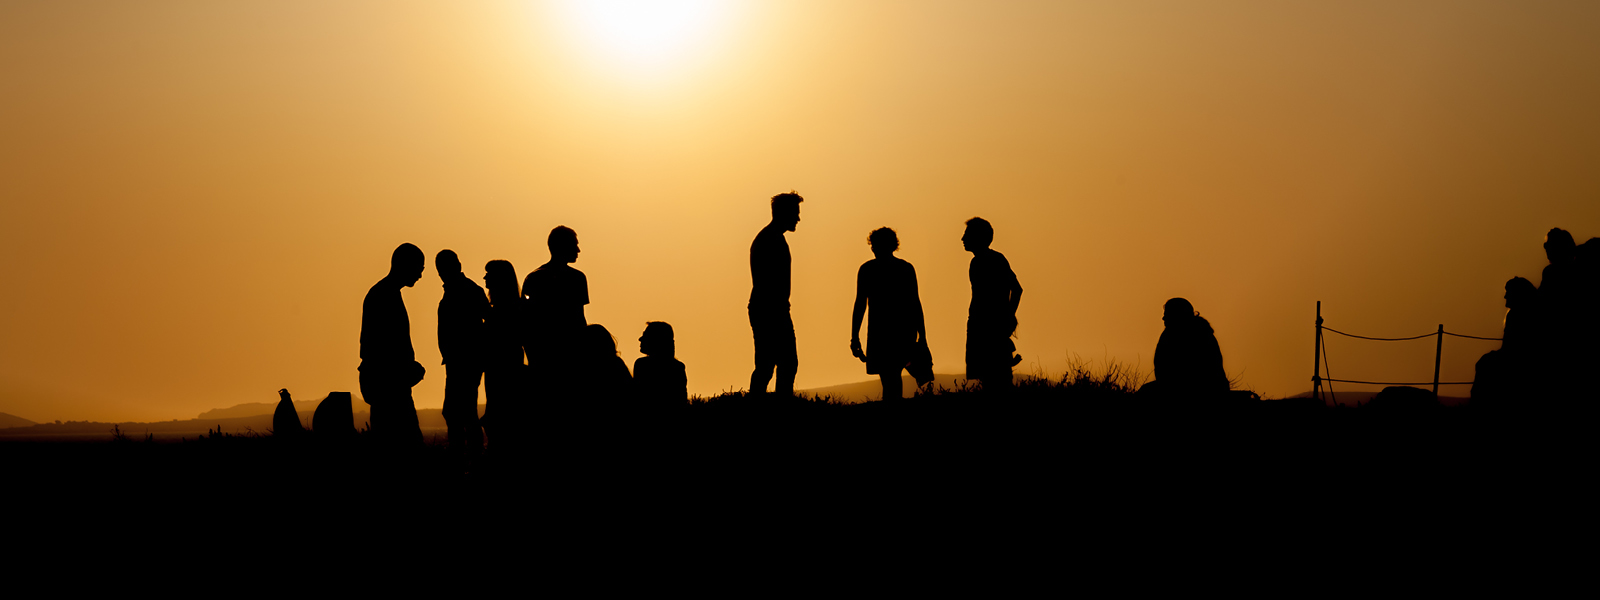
(646, 34)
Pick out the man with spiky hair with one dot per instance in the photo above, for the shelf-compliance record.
(770, 323)
(992, 316)
(389, 366)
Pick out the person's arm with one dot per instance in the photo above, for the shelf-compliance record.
(916, 299)
(857, 313)
(1016, 295)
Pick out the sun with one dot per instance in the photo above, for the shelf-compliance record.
(646, 35)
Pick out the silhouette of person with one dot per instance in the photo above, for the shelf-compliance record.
(1188, 360)
(659, 379)
(461, 345)
(389, 367)
(554, 296)
(992, 316)
(888, 287)
(1499, 372)
(770, 323)
(1560, 288)
(602, 371)
(503, 358)
(1588, 292)
(285, 419)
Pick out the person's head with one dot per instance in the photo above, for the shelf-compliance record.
(1178, 310)
(657, 340)
(446, 263)
(597, 342)
(978, 236)
(501, 279)
(563, 244)
(786, 210)
(883, 241)
(1558, 245)
(1519, 291)
(406, 264)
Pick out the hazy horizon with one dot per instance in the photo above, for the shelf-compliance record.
(195, 196)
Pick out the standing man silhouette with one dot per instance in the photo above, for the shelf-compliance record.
(992, 316)
(555, 294)
(389, 366)
(461, 344)
(770, 323)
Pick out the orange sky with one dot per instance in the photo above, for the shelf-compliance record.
(195, 196)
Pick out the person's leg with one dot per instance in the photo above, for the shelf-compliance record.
(408, 432)
(891, 385)
(759, 329)
(463, 431)
(789, 362)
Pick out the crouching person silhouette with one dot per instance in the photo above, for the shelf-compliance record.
(389, 367)
(1501, 374)
(1188, 360)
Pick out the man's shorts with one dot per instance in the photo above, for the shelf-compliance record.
(774, 335)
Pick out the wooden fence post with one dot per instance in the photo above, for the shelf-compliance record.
(1316, 359)
(1438, 353)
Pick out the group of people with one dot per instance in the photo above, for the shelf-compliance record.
(886, 287)
(519, 343)
(1547, 343)
(524, 343)
(534, 341)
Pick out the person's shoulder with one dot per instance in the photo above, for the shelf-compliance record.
(376, 291)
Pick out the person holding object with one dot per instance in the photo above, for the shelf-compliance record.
(992, 316)
(896, 335)
(389, 366)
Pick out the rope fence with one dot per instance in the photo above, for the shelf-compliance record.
(1319, 362)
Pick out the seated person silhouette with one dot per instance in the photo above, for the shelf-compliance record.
(992, 316)
(285, 419)
(602, 372)
(1561, 304)
(505, 405)
(1188, 360)
(1500, 373)
(887, 287)
(389, 367)
(554, 296)
(659, 379)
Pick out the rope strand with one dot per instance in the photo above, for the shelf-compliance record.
(1378, 339)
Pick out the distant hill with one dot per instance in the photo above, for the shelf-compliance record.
(430, 419)
(7, 421)
(252, 409)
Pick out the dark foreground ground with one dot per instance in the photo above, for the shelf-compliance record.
(1061, 468)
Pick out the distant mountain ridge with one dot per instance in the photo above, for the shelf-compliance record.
(7, 421)
(252, 409)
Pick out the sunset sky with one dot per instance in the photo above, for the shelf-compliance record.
(195, 196)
